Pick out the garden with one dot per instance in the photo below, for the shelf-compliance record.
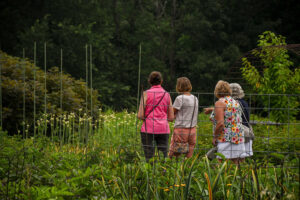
(72, 73)
(104, 160)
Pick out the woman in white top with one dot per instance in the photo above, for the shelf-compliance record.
(186, 113)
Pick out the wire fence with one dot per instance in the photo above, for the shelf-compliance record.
(275, 142)
(271, 137)
(268, 132)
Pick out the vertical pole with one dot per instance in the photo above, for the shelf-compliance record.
(24, 87)
(86, 77)
(250, 107)
(91, 79)
(139, 78)
(34, 88)
(138, 92)
(1, 90)
(86, 108)
(61, 65)
(269, 118)
(45, 100)
(45, 69)
(197, 133)
(289, 123)
(86, 95)
(61, 94)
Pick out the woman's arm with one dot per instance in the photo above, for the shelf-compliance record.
(175, 112)
(141, 113)
(170, 112)
(219, 116)
(208, 110)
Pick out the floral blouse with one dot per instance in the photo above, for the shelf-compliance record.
(233, 131)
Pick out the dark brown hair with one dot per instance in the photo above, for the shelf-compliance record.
(183, 85)
(155, 78)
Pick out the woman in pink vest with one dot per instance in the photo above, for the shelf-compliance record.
(155, 110)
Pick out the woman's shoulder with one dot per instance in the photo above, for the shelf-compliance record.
(180, 96)
(194, 96)
(243, 102)
(220, 102)
(190, 97)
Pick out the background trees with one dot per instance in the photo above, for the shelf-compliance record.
(197, 39)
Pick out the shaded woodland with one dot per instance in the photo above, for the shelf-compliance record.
(198, 39)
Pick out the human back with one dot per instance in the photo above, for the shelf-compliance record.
(232, 121)
(156, 111)
(185, 104)
(186, 111)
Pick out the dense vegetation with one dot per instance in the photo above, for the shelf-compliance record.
(65, 147)
(279, 76)
(105, 161)
(197, 39)
(27, 94)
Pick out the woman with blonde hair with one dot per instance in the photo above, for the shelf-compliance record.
(186, 112)
(227, 119)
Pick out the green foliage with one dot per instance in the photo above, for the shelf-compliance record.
(197, 39)
(14, 70)
(111, 165)
(276, 77)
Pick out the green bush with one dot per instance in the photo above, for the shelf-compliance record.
(73, 93)
(277, 77)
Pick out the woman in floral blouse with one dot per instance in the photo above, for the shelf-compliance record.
(227, 120)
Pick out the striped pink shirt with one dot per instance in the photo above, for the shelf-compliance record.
(157, 120)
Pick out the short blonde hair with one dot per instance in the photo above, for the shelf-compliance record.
(222, 89)
(183, 85)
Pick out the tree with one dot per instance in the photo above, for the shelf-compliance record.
(276, 78)
(15, 70)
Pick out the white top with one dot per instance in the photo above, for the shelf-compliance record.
(185, 106)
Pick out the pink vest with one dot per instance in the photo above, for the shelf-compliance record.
(156, 122)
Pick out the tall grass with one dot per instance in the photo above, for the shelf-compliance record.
(102, 158)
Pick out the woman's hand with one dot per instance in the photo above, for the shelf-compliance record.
(208, 110)
(214, 141)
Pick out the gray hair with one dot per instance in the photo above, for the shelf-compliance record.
(237, 91)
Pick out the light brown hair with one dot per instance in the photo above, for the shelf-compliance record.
(155, 78)
(222, 89)
(183, 85)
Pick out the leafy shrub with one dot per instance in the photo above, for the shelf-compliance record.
(276, 78)
(13, 86)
